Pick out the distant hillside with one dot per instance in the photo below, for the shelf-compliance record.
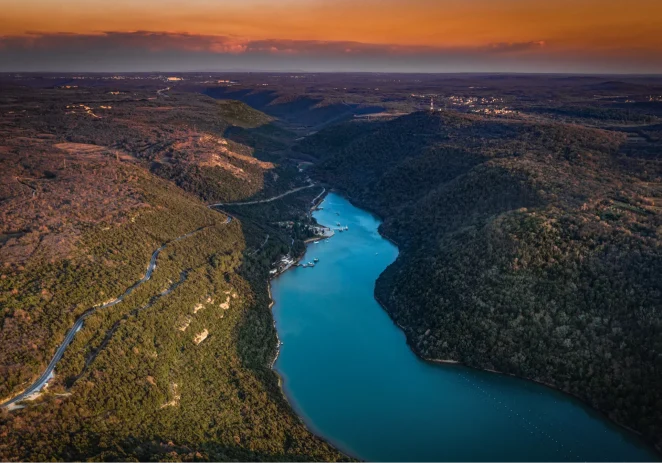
(219, 150)
(530, 249)
(296, 109)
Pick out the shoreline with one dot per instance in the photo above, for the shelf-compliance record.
(281, 382)
(319, 237)
(551, 386)
(657, 449)
(450, 362)
(272, 302)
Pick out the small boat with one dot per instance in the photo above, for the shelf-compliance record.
(311, 265)
(305, 265)
(316, 259)
(338, 223)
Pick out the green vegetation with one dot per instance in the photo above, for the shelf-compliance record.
(115, 409)
(531, 249)
(151, 385)
(242, 115)
(180, 369)
(597, 114)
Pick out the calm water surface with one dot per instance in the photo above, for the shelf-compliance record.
(348, 371)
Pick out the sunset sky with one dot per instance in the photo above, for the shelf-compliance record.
(612, 36)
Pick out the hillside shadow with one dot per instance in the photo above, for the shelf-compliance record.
(300, 114)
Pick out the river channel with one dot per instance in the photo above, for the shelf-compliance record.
(348, 372)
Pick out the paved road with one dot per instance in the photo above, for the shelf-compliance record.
(314, 201)
(46, 375)
(260, 248)
(268, 200)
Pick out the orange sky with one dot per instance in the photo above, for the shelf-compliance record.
(568, 23)
(626, 30)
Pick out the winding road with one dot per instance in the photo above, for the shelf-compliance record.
(160, 92)
(47, 374)
(109, 334)
(268, 200)
(314, 201)
(261, 246)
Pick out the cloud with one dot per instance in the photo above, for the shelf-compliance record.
(173, 41)
(175, 51)
(517, 46)
(146, 40)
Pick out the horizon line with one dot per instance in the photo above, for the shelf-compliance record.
(265, 71)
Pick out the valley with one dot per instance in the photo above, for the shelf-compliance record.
(348, 371)
(526, 210)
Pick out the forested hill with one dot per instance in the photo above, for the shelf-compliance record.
(526, 248)
(104, 220)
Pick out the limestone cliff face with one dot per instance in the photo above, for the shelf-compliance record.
(201, 336)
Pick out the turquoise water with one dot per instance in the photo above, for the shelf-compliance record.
(349, 373)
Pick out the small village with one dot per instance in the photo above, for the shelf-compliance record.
(321, 234)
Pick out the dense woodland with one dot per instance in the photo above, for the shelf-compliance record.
(181, 368)
(530, 244)
(528, 248)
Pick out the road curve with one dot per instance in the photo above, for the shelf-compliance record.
(46, 375)
(314, 201)
(268, 200)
